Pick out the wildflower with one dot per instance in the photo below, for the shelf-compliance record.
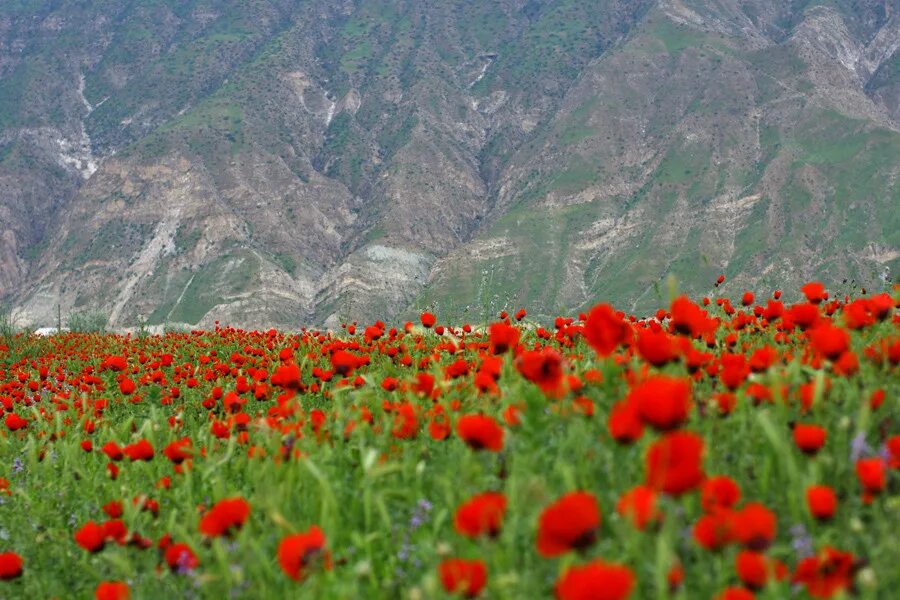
(480, 432)
(544, 368)
(735, 593)
(657, 347)
(605, 330)
(814, 292)
(179, 450)
(481, 515)
(809, 438)
(287, 376)
(662, 402)
(755, 569)
(570, 523)
(872, 477)
(503, 337)
(464, 577)
(112, 590)
(140, 450)
(674, 463)
(826, 574)
(224, 517)
(126, 386)
(715, 530)
(298, 552)
(10, 566)
(821, 501)
(754, 526)
(180, 558)
(638, 506)
(596, 580)
(14, 422)
(829, 340)
(719, 492)
(91, 537)
(624, 423)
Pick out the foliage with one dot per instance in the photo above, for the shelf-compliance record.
(321, 464)
(87, 321)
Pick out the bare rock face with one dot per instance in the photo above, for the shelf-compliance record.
(272, 164)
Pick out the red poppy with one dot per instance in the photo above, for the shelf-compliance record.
(605, 330)
(179, 450)
(638, 506)
(10, 566)
(406, 422)
(719, 492)
(675, 577)
(126, 386)
(428, 320)
(481, 515)
(755, 569)
(762, 359)
(115, 530)
(287, 377)
(689, 319)
(503, 337)
(657, 347)
(113, 509)
(543, 368)
(828, 340)
(140, 450)
(570, 523)
(809, 438)
(754, 526)
(112, 451)
(734, 370)
(298, 552)
(480, 432)
(91, 537)
(14, 422)
(624, 423)
(893, 448)
(821, 501)
(596, 580)
(735, 593)
(662, 402)
(674, 463)
(464, 577)
(181, 558)
(714, 530)
(112, 590)
(872, 477)
(224, 517)
(828, 573)
(114, 363)
(846, 365)
(814, 292)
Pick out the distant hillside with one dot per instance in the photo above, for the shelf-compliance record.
(276, 162)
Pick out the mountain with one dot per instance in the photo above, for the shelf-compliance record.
(282, 162)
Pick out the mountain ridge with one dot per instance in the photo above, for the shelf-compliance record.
(291, 162)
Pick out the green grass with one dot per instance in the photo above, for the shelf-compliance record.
(676, 37)
(683, 163)
(227, 275)
(387, 505)
(13, 89)
(575, 128)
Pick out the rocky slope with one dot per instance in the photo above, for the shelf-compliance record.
(284, 162)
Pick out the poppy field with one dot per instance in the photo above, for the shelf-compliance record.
(727, 449)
